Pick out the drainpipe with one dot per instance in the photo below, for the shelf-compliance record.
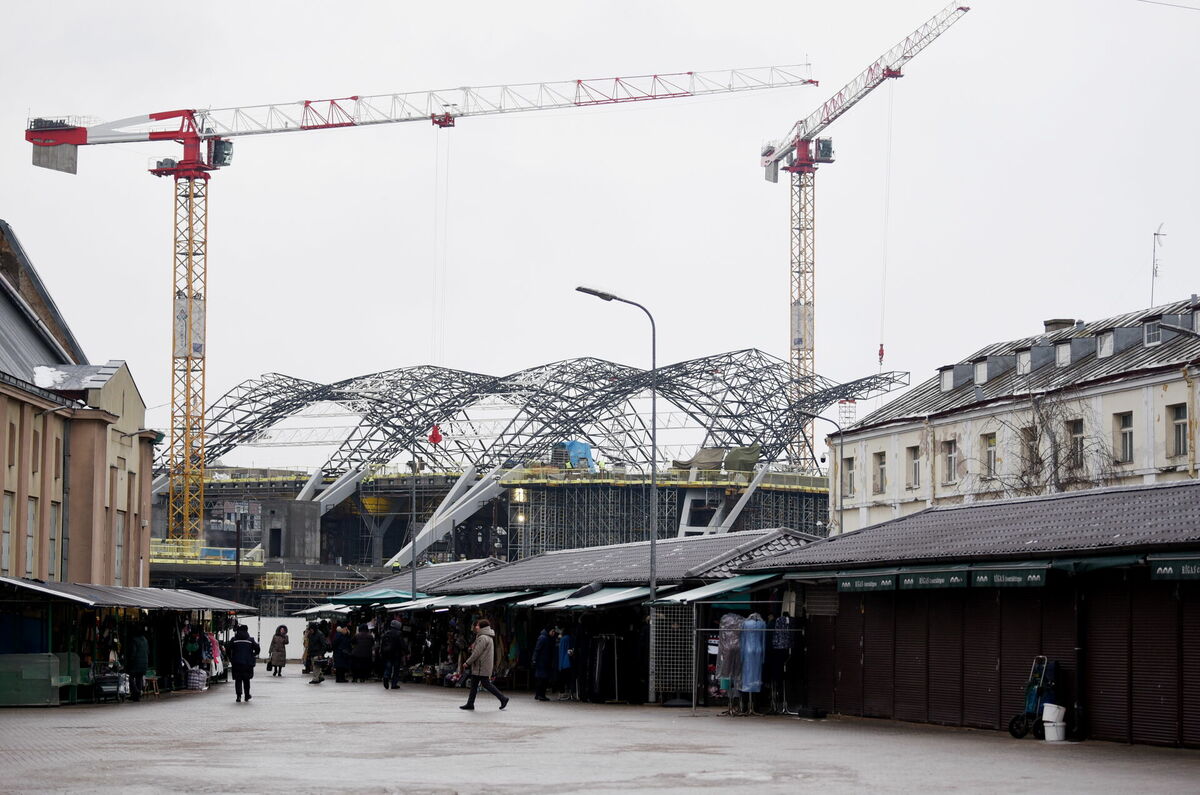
(1191, 419)
(932, 443)
(64, 533)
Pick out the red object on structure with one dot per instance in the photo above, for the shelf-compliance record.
(881, 353)
(435, 435)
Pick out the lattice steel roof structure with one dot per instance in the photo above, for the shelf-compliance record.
(727, 400)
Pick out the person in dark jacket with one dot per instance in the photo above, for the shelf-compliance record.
(391, 652)
(544, 654)
(139, 661)
(318, 647)
(361, 649)
(243, 654)
(342, 644)
(277, 653)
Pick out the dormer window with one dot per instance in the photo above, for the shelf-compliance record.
(948, 379)
(1151, 333)
(980, 372)
(1062, 354)
(1104, 345)
(1024, 362)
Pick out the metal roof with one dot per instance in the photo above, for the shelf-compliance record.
(605, 597)
(428, 576)
(694, 557)
(1155, 517)
(715, 589)
(1085, 368)
(126, 596)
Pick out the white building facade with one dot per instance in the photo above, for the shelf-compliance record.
(1083, 405)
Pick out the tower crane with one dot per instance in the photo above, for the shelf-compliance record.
(799, 152)
(205, 136)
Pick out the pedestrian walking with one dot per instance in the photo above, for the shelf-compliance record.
(480, 664)
(391, 652)
(243, 655)
(139, 662)
(277, 653)
(318, 646)
(361, 649)
(342, 644)
(544, 654)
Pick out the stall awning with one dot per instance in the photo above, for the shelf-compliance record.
(1026, 574)
(1174, 567)
(867, 581)
(417, 604)
(549, 596)
(605, 597)
(373, 596)
(127, 596)
(477, 599)
(325, 608)
(705, 592)
(917, 578)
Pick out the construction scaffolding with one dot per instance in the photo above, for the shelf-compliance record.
(585, 516)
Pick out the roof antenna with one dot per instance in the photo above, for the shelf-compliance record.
(1154, 260)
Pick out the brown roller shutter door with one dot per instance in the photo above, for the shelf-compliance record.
(981, 675)
(820, 661)
(912, 655)
(849, 694)
(1190, 614)
(879, 649)
(1155, 658)
(1059, 632)
(1106, 671)
(946, 658)
(1020, 642)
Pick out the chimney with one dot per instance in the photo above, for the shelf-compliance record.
(1058, 324)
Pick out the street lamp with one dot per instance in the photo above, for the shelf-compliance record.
(603, 296)
(840, 462)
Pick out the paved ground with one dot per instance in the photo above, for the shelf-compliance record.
(298, 738)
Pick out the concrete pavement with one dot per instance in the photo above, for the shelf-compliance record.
(295, 737)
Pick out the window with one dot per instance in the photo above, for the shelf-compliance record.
(1074, 444)
(12, 444)
(1151, 333)
(988, 444)
(58, 459)
(1104, 345)
(1123, 443)
(1031, 450)
(1024, 362)
(948, 379)
(31, 538)
(36, 452)
(880, 480)
(1177, 414)
(950, 456)
(914, 467)
(52, 573)
(6, 530)
(119, 556)
(848, 477)
(980, 372)
(1062, 354)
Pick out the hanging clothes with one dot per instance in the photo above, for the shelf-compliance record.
(754, 638)
(729, 652)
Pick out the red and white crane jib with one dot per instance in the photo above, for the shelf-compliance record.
(888, 65)
(441, 107)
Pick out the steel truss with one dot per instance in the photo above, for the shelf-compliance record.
(728, 400)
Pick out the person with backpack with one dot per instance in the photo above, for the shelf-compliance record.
(243, 655)
(318, 645)
(391, 652)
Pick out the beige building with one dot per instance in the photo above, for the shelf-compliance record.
(1082, 405)
(75, 479)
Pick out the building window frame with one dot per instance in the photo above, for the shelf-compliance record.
(1177, 442)
(1105, 344)
(1024, 362)
(1075, 444)
(54, 569)
(987, 443)
(848, 476)
(6, 523)
(914, 467)
(31, 537)
(1123, 437)
(879, 472)
(1062, 354)
(1151, 333)
(950, 459)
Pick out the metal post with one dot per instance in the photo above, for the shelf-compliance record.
(412, 527)
(840, 462)
(237, 558)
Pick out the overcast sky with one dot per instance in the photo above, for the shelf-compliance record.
(1033, 150)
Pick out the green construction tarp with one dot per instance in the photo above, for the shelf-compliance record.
(707, 459)
(743, 459)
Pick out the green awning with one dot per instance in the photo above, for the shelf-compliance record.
(867, 581)
(1174, 567)
(1026, 574)
(1080, 565)
(372, 596)
(919, 578)
(714, 589)
(478, 599)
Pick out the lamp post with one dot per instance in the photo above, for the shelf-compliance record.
(840, 462)
(603, 296)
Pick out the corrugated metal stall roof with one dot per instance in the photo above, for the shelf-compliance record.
(1163, 516)
(126, 596)
(429, 576)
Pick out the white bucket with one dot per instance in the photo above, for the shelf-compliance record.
(1053, 713)
(1056, 732)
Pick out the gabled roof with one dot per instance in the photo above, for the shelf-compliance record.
(1134, 518)
(928, 398)
(430, 575)
(695, 557)
(75, 377)
(123, 596)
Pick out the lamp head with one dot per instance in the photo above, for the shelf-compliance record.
(603, 296)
